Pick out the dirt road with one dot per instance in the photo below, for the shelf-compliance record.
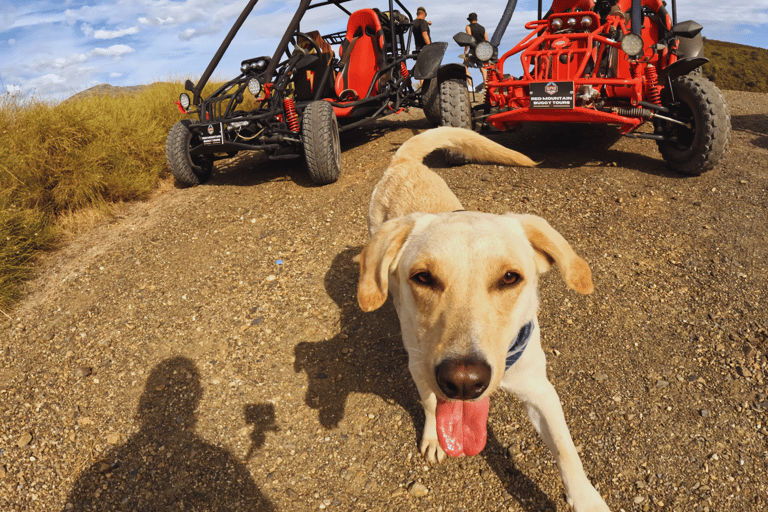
(204, 350)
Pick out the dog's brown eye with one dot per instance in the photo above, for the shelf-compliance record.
(510, 278)
(424, 278)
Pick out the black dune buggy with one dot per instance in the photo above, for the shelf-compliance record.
(621, 62)
(314, 86)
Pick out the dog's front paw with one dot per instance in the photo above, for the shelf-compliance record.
(588, 501)
(431, 451)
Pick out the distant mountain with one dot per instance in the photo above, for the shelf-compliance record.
(735, 66)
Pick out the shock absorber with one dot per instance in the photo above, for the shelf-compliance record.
(290, 113)
(403, 70)
(652, 89)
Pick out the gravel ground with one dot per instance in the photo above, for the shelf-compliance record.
(204, 350)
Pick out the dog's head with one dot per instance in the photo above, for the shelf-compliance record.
(464, 284)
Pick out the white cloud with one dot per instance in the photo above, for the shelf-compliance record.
(117, 51)
(115, 75)
(11, 42)
(112, 34)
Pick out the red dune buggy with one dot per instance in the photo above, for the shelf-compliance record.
(623, 62)
(297, 101)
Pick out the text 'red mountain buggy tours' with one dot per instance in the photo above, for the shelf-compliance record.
(298, 100)
(621, 62)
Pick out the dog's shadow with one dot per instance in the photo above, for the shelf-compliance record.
(367, 356)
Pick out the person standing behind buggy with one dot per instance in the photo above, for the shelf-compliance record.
(477, 31)
(421, 36)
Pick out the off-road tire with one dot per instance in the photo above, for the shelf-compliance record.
(456, 111)
(455, 106)
(430, 101)
(320, 136)
(701, 103)
(187, 170)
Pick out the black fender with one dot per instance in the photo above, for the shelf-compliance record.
(681, 67)
(690, 40)
(428, 61)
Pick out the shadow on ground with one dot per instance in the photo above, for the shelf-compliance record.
(165, 466)
(368, 356)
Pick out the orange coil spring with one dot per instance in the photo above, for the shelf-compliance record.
(290, 113)
(403, 70)
(652, 89)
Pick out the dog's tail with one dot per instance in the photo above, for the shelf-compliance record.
(469, 144)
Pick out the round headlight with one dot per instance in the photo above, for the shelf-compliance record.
(571, 22)
(557, 24)
(254, 86)
(632, 44)
(260, 65)
(243, 67)
(586, 21)
(484, 51)
(185, 101)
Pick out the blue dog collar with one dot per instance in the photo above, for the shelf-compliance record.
(517, 347)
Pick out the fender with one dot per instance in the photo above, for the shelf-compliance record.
(681, 67)
(690, 40)
(428, 61)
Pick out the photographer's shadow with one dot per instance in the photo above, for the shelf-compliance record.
(165, 466)
(368, 356)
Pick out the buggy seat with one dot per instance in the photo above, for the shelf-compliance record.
(362, 55)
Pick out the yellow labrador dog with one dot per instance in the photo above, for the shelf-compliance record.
(465, 288)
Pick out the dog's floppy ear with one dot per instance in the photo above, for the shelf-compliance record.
(551, 247)
(376, 259)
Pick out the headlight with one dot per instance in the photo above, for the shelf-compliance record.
(571, 22)
(632, 44)
(484, 51)
(557, 24)
(255, 65)
(260, 65)
(586, 21)
(185, 101)
(254, 85)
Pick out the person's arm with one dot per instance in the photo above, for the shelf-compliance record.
(468, 31)
(425, 35)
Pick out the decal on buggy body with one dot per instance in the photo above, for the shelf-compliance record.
(551, 95)
(214, 135)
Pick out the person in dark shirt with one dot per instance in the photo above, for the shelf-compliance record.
(477, 31)
(421, 29)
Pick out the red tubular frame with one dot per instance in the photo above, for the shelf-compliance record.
(541, 51)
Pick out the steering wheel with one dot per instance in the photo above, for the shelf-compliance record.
(299, 38)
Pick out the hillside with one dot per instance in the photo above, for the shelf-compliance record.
(736, 67)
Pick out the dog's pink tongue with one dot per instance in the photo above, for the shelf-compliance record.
(462, 426)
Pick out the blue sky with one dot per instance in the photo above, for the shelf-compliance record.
(55, 48)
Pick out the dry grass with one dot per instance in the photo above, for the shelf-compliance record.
(736, 67)
(86, 154)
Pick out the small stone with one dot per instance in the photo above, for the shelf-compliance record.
(271, 277)
(291, 493)
(83, 371)
(600, 377)
(744, 372)
(704, 413)
(3, 472)
(24, 440)
(661, 383)
(398, 492)
(418, 490)
(113, 438)
(639, 499)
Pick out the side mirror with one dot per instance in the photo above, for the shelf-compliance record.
(464, 39)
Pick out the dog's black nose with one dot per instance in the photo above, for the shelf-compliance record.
(463, 379)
